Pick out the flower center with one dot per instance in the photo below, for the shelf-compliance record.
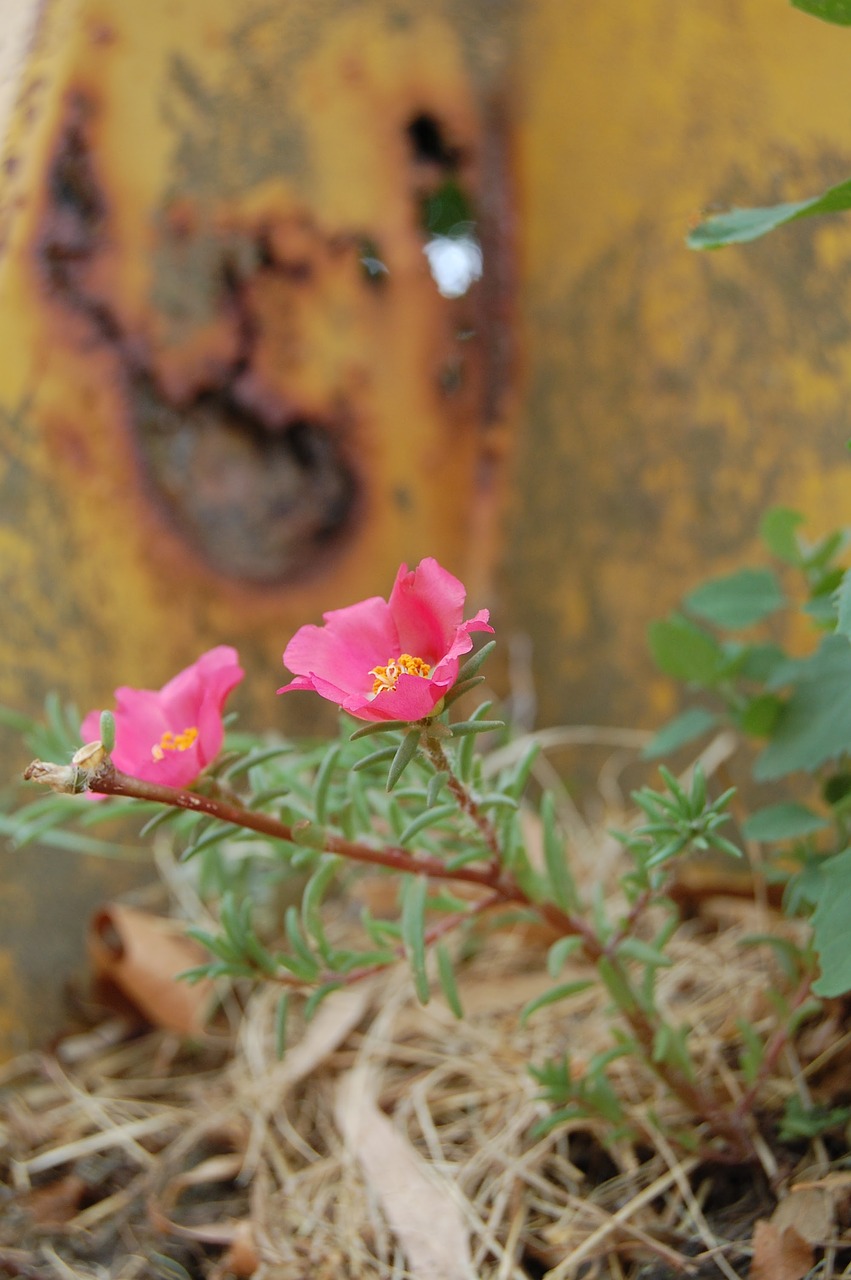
(386, 678)
(174, 742)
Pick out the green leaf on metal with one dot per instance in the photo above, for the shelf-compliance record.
(685, 652)
(738, 600)
(838, 11)
(741, 225)
(777, 530)
(843, 600)
(787, 821)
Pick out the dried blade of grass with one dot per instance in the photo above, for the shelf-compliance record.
(336, 1018)
(619, 1221)
(101, 1141)
(419, 1205)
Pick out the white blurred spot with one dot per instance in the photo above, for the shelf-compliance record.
(455, 262)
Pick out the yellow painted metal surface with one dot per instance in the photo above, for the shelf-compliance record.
(232, 394)
(215, 424)
(671, 397)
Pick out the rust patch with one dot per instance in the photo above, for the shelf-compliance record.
(256, 484)
(262, 504)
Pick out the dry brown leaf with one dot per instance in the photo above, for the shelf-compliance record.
(242, 1258)
(779, 1253)
(419, 1206)
(809, 1210)
(56, 1203)
(140, 956)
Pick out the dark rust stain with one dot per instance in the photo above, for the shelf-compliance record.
(261, 490)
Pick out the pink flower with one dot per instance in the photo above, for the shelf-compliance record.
(389, 659)
(170, 735)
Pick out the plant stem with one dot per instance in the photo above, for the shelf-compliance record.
(504, 889)
(466, 803)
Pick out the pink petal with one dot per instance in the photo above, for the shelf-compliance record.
(427, 605)
(343, 652)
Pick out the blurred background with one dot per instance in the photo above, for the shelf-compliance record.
(292, 292)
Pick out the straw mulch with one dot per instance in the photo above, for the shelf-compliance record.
(394, 1141)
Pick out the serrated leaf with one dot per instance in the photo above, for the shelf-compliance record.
(815, 724)
(760, 715)
(737, 600)
(777, 530)
(786, 821)
(686, 652)
(830, 925)
(843, 604)
(741, 225)
(683, 729)
(838, 11)
(414, 896)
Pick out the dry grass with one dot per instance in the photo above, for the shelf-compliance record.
(395, 1141)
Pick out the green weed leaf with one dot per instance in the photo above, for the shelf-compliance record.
(741, 225)
(738, 600)
(777, 530)
(838, 11)
(683, 729)
(830, 926)
(686, 652)
(786, 821)
(815, 724)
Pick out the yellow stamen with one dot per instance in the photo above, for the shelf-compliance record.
(174, 742)
(386, 678)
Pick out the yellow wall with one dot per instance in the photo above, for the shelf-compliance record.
(644, 404)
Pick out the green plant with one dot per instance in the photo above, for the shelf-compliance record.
(412, 797)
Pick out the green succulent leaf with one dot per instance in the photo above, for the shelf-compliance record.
(446, 974)
(403, 757)
(414, 897)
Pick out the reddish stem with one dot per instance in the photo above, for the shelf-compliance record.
(107, 780)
